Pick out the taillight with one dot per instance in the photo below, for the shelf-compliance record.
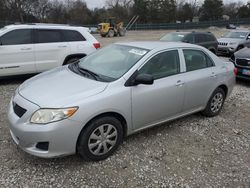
(235, 71)
(97, 45)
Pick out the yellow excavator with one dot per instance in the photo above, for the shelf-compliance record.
(110, 28)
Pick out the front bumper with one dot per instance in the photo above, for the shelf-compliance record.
(61, 136)
(226, 50)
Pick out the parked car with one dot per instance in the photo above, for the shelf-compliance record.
(93, 30)
(34, 48)
(231, 26)
(88, 107)
(233, 41)
(241, 60)
(205, 39)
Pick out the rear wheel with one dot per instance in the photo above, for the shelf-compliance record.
(215, 103)
(111, 33)
(100, 139)
(122, 32)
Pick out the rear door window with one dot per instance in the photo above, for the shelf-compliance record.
(71, 36)
(17, 37)
(48, 36)
(200, 38)
(196, 59)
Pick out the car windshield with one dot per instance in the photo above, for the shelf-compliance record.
(236, 35)
(173, 37)
(112, 62)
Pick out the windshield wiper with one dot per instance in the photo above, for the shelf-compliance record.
(94, 75)
(89, 72)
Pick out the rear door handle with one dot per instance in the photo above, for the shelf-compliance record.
(27, 48)
(213, 75)
(179, 83)
(62, 46)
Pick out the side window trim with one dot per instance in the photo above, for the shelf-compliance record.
(181, 66)
(184, 61)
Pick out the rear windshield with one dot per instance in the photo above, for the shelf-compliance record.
(174, 37)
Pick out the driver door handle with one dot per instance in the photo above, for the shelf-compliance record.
(179, 83)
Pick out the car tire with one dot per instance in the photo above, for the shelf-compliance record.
(239, 48)
(122, 32)
(213, 51)
(215, 103)
(111, 33)
(71, 60)
(100, 138)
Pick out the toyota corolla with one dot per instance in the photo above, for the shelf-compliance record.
(88, 107)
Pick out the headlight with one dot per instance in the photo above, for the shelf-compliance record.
(232, 43)
(45, 116)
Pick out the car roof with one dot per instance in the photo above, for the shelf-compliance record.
(240, 30)
(44, 26)
(151, 45)
(194, 32)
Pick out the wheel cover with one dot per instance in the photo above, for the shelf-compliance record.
(217, 102)
(102, 139)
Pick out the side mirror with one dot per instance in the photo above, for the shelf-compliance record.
(145, 79)
(248, 38)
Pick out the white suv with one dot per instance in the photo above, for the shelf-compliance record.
(34, 48)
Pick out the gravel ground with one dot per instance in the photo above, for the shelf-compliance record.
(190, 152)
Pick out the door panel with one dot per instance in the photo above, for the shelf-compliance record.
(50, 55)
(50, 50)
(17, 53)
(199, 85)
(157, 102)
(199, 78)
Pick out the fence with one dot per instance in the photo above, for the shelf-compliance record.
(175, 26)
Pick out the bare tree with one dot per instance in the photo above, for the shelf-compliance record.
(20, 7)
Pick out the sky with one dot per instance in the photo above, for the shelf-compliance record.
(100, 3)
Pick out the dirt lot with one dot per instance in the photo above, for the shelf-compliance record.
(190, 152)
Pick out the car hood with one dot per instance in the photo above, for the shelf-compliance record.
(243, 53)
(229, 40)
(59, 87)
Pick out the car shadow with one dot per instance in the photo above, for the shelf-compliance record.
(11, 80)
(243, 82)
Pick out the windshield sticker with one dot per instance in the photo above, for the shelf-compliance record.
(138, 52)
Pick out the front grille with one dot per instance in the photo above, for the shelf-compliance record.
(223, 43)
(19, 111)
(243, 62)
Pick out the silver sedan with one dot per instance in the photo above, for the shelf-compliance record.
(89, 106)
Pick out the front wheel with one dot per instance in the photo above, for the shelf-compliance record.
(215, 103)
(100, 139)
